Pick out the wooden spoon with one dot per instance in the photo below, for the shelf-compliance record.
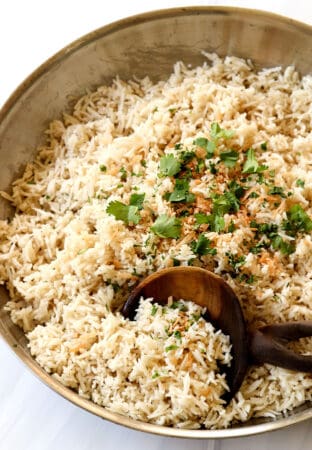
(264, 345)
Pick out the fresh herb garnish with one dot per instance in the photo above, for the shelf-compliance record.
(229, 158)
(264, 146)
(216, 132)
(179, 305)
(300, 183)
(126, 213)
(171, 347)
(181, 192)
(277, 190)
(167, 227)
(297, 221)
(177, 335)
(103, 168)
(235, 261)
(286, 248)
(137, 200)
(251, 164)
(225, 203)
(169, 165)
(123, 174)
(155, 375)
(202, 246)
(154, 310)
(207, 145)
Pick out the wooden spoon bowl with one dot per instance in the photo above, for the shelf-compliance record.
(210, 291)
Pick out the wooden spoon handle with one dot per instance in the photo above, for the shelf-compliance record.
(265, 346)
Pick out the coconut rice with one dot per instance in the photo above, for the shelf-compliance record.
(210, 167)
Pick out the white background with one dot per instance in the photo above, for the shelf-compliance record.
(32, 417)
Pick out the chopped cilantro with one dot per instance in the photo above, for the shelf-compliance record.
(251, 164)
(171, 347)
(137, 200)
(143, 163)
(126, 213)
(212, 168)
(277, 190)
(177, 335)
(154, 310)
(216, 222)
(179, 305)
(300, 183)
(235, 261)
(249, 279)
(298, 221)
(286, 248)
(167, 227)
(186, 156)
(216, 132)
(231, 227)
(181, 192)
(103, 168)
(202, 246)
(123, 174)
(253, 195)
(209, 146)
(169, 165)
(264, 146)
(176, 262)
(237, 189)
(229, 158)
(225, 203)
(155, 375)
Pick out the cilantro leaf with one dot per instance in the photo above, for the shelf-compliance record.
(225, 203)
(167, 227)
(202, 246)
(126, 213)
(235, 261)
(277, 190)
(216, 222)
(300, 183)
(137, 200)
(216, 132)
(251, 164)
(169, 165)
(285, 248)
(181, 192)
(209, 146)
(298, 221)
(229, 158)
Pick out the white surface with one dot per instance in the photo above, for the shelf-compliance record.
(32, 417)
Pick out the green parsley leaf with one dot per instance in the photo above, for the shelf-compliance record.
(264, 146)
(103, 168)
(229, 158)
(209, 146)
(237, 189)
(167, 227)
(298, 221)
(155, 375)
(300, 183)
(169, 165)
(202, 246)
(126, 213)
(216, 132)
(137, 200)
(251, 164)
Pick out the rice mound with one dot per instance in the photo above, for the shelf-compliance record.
(69, 263)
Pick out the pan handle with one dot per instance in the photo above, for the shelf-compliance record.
(267, 345)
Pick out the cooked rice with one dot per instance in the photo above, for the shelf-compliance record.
(69, 264)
